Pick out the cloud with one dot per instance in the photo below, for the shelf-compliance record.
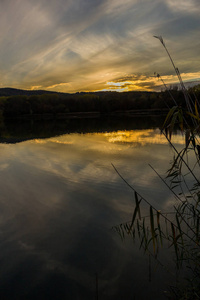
(148, 83)
(82, 45)
(189, 7)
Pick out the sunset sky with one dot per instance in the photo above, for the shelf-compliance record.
(93, 45)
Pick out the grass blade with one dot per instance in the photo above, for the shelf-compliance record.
(153, 233)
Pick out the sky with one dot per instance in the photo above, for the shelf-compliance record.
(95, 45)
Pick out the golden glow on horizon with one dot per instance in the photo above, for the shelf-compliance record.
(97, 45)
(60, 86)
(35, 87)
(144, 83)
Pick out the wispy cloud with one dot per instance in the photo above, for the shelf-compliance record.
(149, 83)
(82, 45)
(189, 7)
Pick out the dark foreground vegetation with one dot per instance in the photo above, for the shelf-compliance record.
(179, 227)
(25, 104)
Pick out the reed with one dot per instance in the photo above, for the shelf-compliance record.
(183, 230)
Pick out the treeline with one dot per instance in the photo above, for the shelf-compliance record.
(100, 102)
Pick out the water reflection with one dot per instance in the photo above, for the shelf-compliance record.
(20, 130)
(59, 198)
(140, 137)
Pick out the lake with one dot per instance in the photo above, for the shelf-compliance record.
(60, 198)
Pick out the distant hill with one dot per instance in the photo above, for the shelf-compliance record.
(17, 103)
(17, 92)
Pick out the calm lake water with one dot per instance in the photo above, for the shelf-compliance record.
(60, 197)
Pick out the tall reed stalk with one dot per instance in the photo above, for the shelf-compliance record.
(183, 231)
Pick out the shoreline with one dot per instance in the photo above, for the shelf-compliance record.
(95, 114)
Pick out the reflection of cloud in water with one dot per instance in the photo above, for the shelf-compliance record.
(140, 137)
(3, 166)
(59, 199)
(134, 137)
(53, 140)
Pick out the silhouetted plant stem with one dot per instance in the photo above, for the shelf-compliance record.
(97, 286)
(151, 206)
(182, 159)
(167, 89)
(185, 93)
(177, 197)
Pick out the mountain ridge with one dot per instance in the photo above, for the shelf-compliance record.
(7, 91)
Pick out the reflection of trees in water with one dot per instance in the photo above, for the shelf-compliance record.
(24, 130)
